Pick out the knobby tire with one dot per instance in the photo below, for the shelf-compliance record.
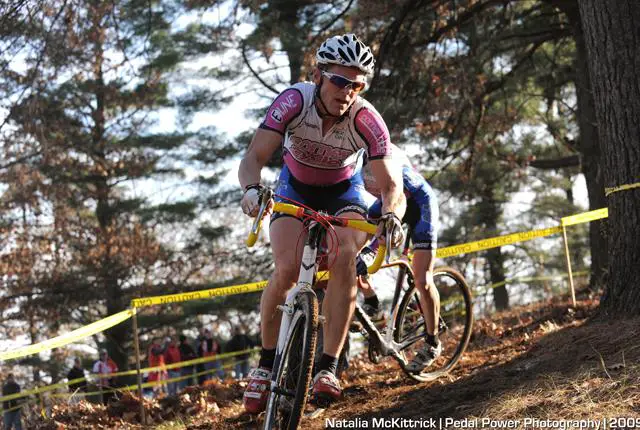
(294, 373)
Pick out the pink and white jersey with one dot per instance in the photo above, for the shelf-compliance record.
(315, 159)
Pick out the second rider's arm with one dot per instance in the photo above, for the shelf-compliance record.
(388, 175)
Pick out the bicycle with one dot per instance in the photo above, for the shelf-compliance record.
(297, 337)
(405, 325)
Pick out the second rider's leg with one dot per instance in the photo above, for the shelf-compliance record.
(429, 298)
(424, 225)
(430, 305)
(371, 304)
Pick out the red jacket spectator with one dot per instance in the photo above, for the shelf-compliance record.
(105, 366)
(155, 356)
(172, 355)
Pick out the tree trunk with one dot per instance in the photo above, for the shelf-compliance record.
(613, 46)
(293, 46)
(490, 213)
(589, 149)
(496, 269)
(118, 335)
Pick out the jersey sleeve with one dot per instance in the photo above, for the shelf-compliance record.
(284, 109)
(373, 130)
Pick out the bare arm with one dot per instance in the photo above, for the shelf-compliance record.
(263, 145)
(388, 176)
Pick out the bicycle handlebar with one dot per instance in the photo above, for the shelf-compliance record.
(299, 212)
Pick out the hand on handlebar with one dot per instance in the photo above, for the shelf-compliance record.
(252, 199)
(263, 207)
(390, 229)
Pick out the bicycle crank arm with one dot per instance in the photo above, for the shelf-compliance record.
(391, 349)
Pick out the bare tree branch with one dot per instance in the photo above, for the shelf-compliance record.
(333, 21)
(257, 76)
(557, 163)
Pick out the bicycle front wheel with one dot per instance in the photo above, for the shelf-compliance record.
(454, 327)
(288, 399)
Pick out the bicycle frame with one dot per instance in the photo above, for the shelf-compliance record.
(388, 346)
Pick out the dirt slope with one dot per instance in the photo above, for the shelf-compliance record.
(546, 361)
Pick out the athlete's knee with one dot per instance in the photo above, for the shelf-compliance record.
(284, 276)
(345, 259)
(351, 243)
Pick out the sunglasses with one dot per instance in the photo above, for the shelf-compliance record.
(342, 82)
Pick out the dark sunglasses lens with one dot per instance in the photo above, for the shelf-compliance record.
(341, 82)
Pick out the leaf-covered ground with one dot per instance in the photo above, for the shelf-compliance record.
(545, 361)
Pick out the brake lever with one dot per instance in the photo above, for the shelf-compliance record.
(266, 196)
(388, 235)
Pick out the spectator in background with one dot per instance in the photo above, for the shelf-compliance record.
(12, 408)
(204, 347)
(103, 367)
(216, 364)
(171, 356)
(76, 372)
(186, 353)
(201, 350)
(240, 342)
(208, 347)
(155, 357)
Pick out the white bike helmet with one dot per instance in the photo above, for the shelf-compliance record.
(346, 50)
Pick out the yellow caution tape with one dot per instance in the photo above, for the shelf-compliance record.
(495, 242)
(609, 191)
(70, 337)
(585, 217)
(532, 279)
(208, 294)
(198, 295)
(148, 384)
(128, 372)
(20, 405)
(39, 390)
(448, 251)
(180, 363)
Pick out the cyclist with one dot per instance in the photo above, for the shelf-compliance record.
(326, 130)
(422, 217)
